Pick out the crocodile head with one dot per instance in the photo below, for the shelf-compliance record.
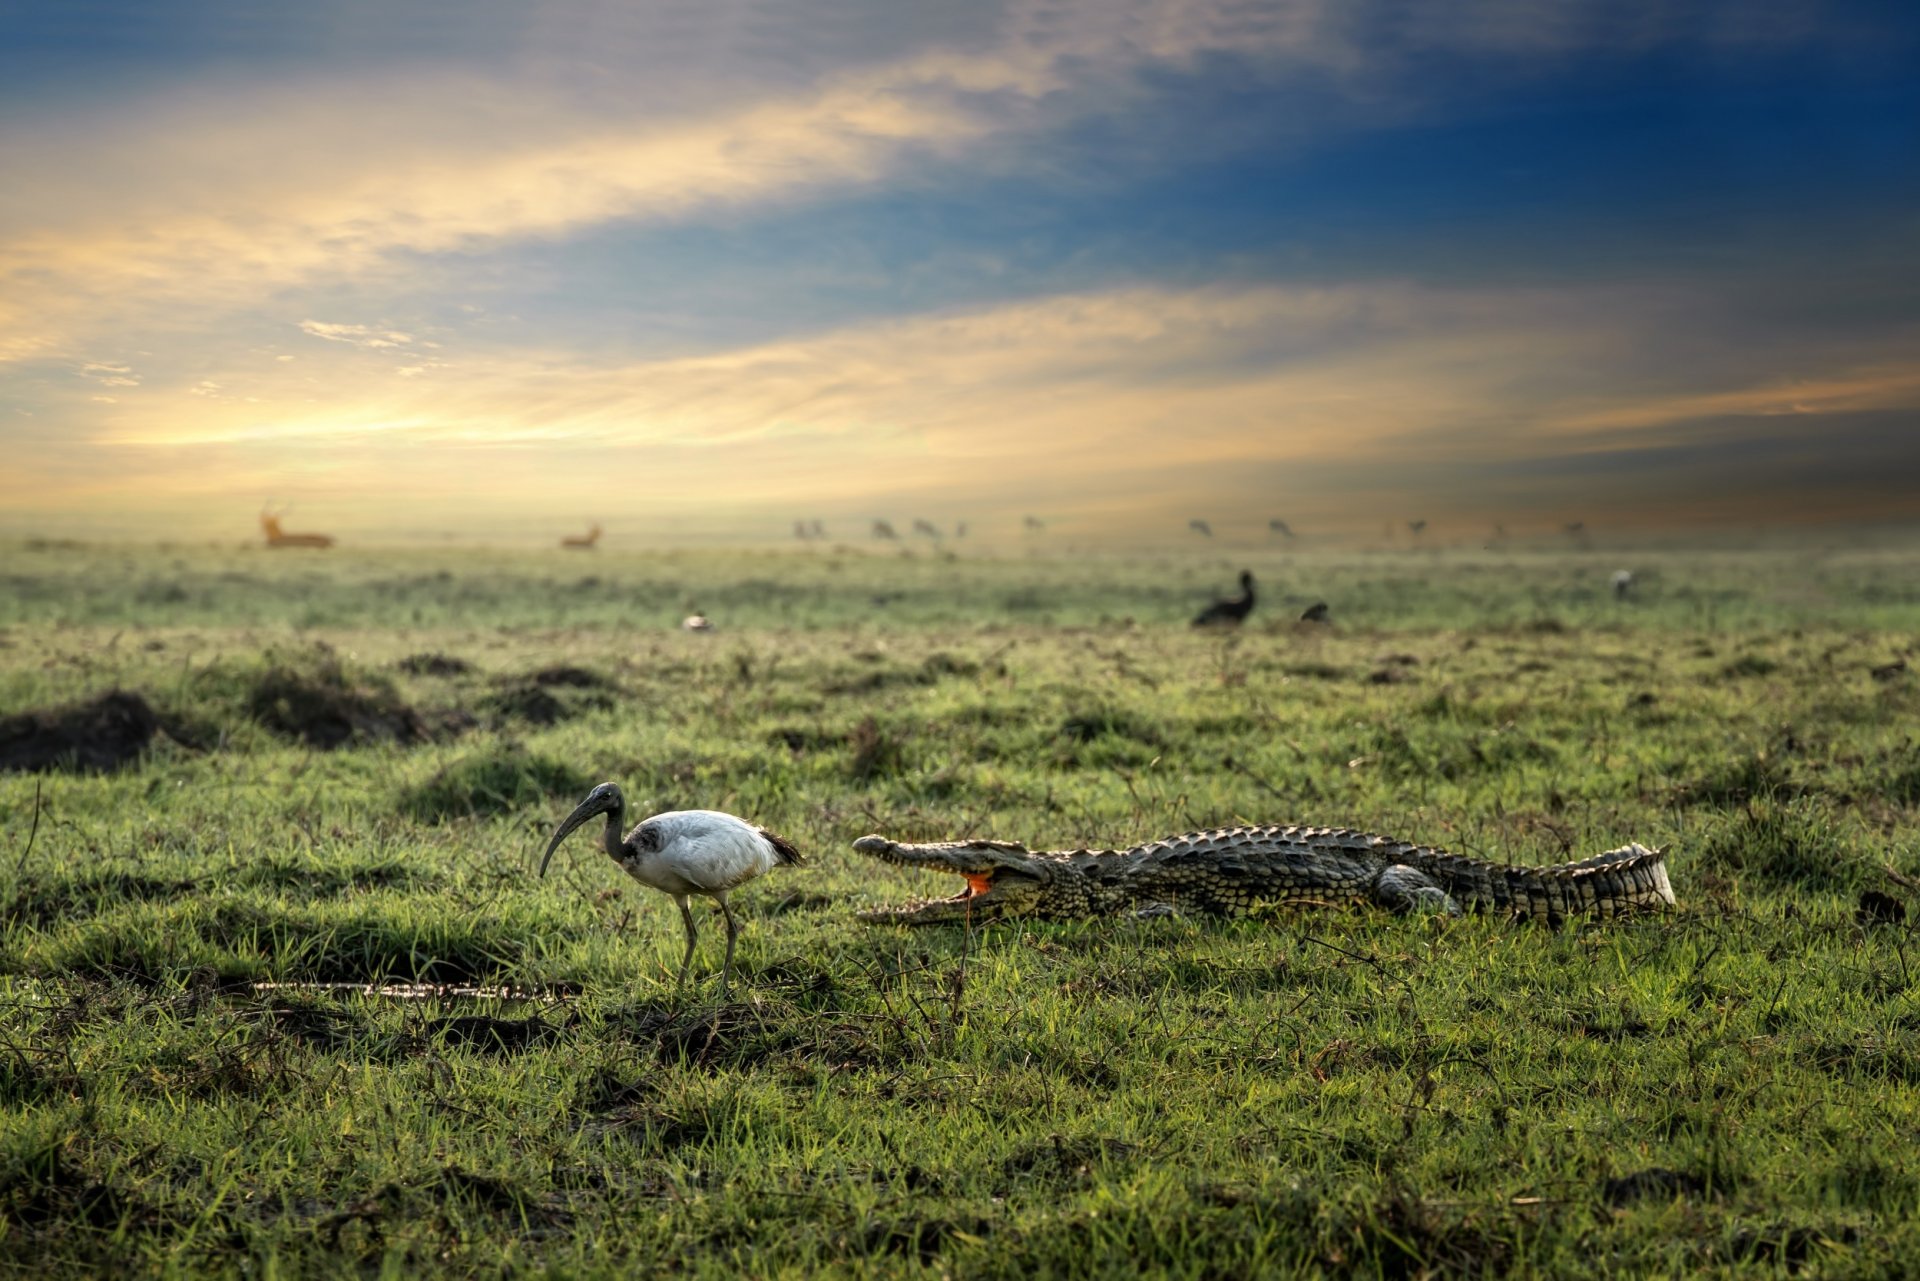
(1003, 879)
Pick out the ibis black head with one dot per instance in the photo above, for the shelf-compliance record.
(1246, 580)
(604, 799)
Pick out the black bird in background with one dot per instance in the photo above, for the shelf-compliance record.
(1231, 611)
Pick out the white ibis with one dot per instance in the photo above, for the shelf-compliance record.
(1622, 583)
(682, 852)
(1229, 612)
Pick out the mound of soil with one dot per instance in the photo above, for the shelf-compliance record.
(320, 707)
(498, 782)
(570, 677)
(548, 696)
(434, 664)
(96, 737)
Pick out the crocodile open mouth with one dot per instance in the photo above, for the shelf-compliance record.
(993, 873)
(975, 901)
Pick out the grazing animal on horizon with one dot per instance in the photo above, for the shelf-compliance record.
(276, 537)
(1201, 528)
(817, 528)
(682, 853)
(1316, 613)
(1418, 527)
(1232, 611)
(926, 527)
(583, 543)
(1280, 527)
(884, 529)
(1034, 524)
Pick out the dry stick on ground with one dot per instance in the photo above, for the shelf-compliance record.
(20, 868)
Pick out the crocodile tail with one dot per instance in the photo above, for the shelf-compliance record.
(1632, 871)
(1632, 878)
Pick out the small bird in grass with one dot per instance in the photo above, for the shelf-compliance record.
(696, 622)
(1316, 613)
(681, 853)
(1229, 612)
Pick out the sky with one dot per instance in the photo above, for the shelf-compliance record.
(696, 269)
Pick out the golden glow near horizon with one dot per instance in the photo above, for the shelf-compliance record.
(377, 288)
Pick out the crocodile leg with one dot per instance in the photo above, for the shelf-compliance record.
(1404, 889)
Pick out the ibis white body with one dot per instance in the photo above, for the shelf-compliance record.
(686, 852)
(682, 853)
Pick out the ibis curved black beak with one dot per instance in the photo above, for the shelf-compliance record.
(602, 800)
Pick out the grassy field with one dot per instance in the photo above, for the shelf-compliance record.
(359, 757)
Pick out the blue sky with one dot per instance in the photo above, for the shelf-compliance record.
(698, 269)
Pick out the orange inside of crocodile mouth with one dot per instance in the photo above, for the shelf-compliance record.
(978, 883)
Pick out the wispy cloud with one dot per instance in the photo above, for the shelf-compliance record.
(354, 335)
(109, 375)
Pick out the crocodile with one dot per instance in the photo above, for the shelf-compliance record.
(1230, 871)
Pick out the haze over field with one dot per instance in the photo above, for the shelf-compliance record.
(695, 270)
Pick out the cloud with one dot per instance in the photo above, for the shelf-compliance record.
(1621, 425)
(354, 335)
(109, 375)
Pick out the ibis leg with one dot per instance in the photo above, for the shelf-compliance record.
(686, 959)
(733, 932)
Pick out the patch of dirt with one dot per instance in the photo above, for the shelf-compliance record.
(100, 736)
(1658, 1181)
(1060, 1160)
(360, 1226)
(742, 1035)
(610, 1091)
(921, 1239)
(794, 901)
(490, 1035)
(1413, 1238)
(533, 699)
(319, 705)
(525, 702)
(569, 678)
(1086, 727)
(318, 1026)
(1879, 909)
(42, 1190)
(1786, 1245)
(501, 781)
(798, 740)
(434, 664)
(38, 904)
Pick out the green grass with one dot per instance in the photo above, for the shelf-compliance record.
(1731, 1087)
